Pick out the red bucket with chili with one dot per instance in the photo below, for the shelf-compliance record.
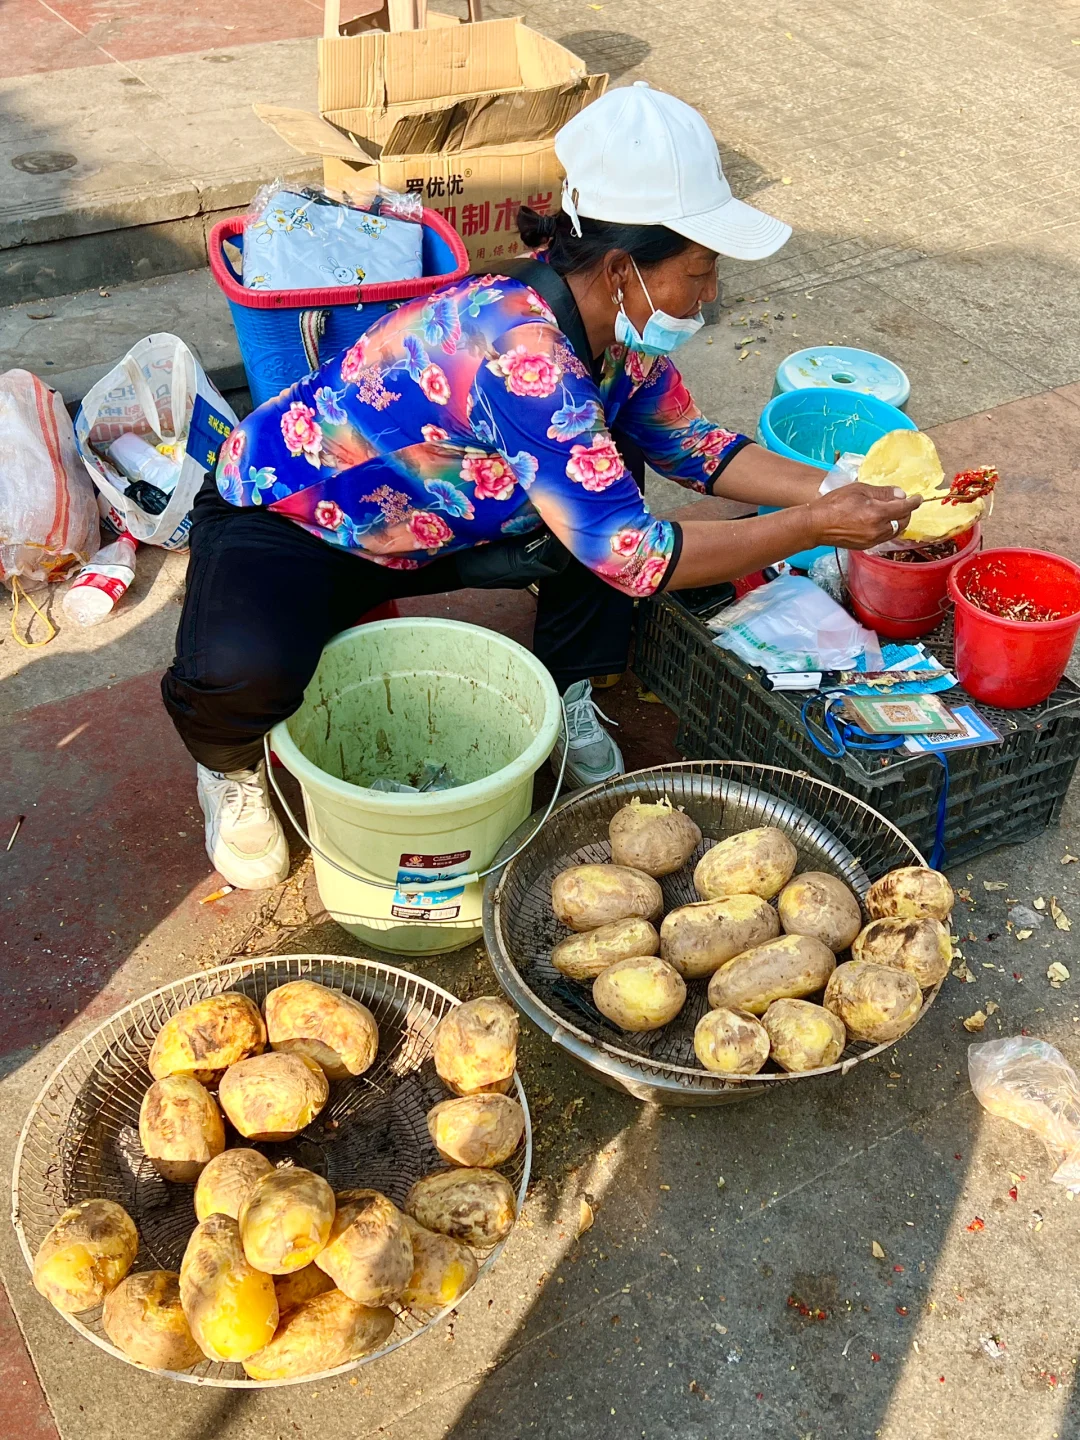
(1017, 618)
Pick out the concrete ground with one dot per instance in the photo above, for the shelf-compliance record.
(923, 153)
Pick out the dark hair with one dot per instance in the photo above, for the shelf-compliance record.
(568, 254)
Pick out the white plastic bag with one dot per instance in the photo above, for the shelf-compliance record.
(790, 624)
(1032, 1084)
(160, 391)
(48, 509)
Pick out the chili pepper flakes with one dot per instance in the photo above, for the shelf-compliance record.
(874, 1356)
(980, 590)
(1014, 1194)
(977, 1224)
(971, 485)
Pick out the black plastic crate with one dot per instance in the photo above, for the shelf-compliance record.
(998, 794)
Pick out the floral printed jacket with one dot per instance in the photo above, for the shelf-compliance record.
(466, 417)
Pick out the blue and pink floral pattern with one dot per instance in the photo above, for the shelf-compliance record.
(465, 417)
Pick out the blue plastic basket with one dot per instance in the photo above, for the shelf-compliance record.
(285, 334)
(817, 424)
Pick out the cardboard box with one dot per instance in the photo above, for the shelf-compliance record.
(464, 115)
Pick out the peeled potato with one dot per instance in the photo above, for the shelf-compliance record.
(922, 946)
(180, 1128)
(803, 1036)
(588, 896)
(755, 862)
(143, 1317)
(231, 1307)
(476, 1130)
(908, 460)
(475, 1046)
(285, 1220)
(206, 1038)
(336, 1031)
(292, 1290)
(731, 1042)
(783, 969)
(320, 1334)
(226, 1182)
(639, 994)
(85, 1255)
(910, 893)
(369, 1254)
(583, 957)
(443, 1269)
(474, 1206)
(272, 1097)
(818, 904)
(654, 838)
(875, 1002)
(697, 939)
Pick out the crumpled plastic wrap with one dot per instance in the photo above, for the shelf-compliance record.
(1031, 1083)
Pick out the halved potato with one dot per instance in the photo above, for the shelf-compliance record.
(921, 945)
(85, 1255)
(652, 837)
(588, 896)
(818, 904)
(206, 1038)
(697, 939)
(180, 1128)
(584, 956)
(803, 1036)
(731, 1042)
(476, 1130)
(755, 862)
(475, 1046)
(273, 1096)
(333, 1029)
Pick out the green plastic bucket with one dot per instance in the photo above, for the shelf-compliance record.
(386, 698)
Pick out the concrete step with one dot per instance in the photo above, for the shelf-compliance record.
(116, 172)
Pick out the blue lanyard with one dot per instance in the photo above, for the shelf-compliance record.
(845, 737)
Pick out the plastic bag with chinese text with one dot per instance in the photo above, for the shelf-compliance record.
(790, 624)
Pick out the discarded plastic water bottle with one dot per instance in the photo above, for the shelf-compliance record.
(101, 583)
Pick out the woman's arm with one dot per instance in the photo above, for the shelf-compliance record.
(759, 477)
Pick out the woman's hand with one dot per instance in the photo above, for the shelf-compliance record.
(857, 517)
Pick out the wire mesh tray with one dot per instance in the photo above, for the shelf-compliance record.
(831, 830)
(81, 1138)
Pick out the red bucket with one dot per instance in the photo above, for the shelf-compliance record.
(1015, 663)
(902, 601)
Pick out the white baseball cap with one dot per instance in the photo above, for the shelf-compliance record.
(639, 156)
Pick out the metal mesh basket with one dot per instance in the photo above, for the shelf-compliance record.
(81, 1138)
(831, 830)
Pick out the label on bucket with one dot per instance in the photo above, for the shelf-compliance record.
(422, 892)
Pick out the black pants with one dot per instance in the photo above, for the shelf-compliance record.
(264, 596)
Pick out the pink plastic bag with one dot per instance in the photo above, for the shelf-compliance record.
(48, 509)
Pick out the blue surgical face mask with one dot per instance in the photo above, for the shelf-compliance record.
(663, 332)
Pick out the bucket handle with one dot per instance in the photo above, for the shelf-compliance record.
(474, 876)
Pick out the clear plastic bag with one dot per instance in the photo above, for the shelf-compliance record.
(1032, 1084)
(308, 238)
(790, 624)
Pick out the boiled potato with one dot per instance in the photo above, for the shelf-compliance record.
(336, 1031)
(697, 939)
(320, 1334)
(639, 994)
(231, 1307)
(285, 1220)
(301, 1285)
(923, 946)
(803, 1036)
(180, 1128)
(820, 905)
(875, 1002)
(474, 1206)
(654, 838)
(910, 893)
(272, 1097)
(475, 1046)
(583, 957)
(143, 1317)
(588, 896)
(757, 862)
(369, 1253)
(226, 1181)
(731, 1042)
(443, 1269)
(208, 1037)
(85, 1255)
(783, 969)
(476, 1130)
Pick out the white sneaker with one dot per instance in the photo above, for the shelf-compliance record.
(593, 754)
(244, 838)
